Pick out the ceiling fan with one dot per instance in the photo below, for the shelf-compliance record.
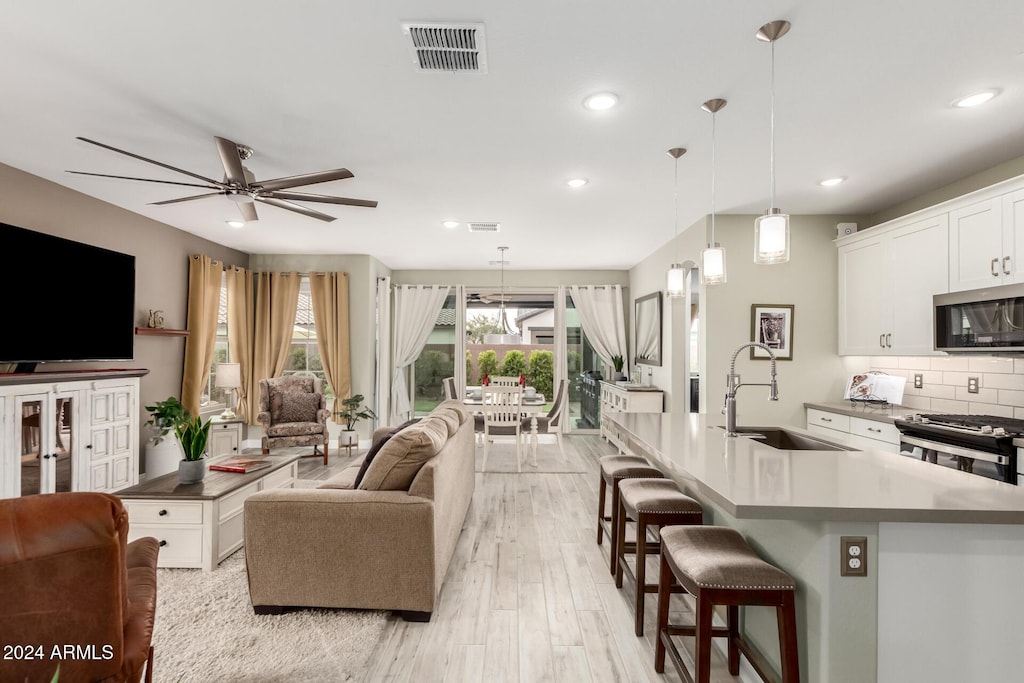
(241, 186)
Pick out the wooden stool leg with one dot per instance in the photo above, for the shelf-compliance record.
(786, 612)
(640, 573)
(733, 623)
(620, 542)
(702, 655)
(615, 523)
(664, 595)
(601, 489)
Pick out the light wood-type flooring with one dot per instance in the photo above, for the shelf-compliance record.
(528, 596)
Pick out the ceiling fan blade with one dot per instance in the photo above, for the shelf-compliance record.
(305, 179)
(187, 199)
(150, 161)
(147, 180)
(281, 204)
(326, 199)
(248, 210)
(233, 170)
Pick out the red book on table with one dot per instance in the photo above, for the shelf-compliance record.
(242, 465)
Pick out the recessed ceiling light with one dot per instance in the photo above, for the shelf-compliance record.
(450, 224)
(601, 101)
(976, 99)
(831, 182)
(235, 224)
(577, 182)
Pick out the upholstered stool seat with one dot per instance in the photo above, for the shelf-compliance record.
(615, 468)
(718, 567)
(649, 503)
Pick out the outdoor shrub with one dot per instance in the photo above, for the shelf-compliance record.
(431, 368)
(487, 361)
(513, 364)
(540, 372)
(469, 368)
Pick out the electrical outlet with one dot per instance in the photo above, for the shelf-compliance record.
(918, 380)
(972, 385)
(854, 558)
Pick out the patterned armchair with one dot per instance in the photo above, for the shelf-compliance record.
(293, 412)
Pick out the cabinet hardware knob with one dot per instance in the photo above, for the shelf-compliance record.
(46, 456)
(162, 513)
(995, 273)
(1006, 270)
(163, 543)
(88, 445)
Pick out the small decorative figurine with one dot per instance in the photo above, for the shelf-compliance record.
(156, 319)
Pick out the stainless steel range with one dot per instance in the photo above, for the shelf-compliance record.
(984, 445)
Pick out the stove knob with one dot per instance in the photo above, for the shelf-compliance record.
(924, 420)
(999, 431)
(986, 429)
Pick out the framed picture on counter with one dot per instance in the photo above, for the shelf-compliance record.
(772, 325)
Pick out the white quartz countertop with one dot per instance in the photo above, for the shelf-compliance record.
(753, 481)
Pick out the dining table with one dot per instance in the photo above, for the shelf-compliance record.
(530, 406)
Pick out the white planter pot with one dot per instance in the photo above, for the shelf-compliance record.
(162, 458)
(348, 438)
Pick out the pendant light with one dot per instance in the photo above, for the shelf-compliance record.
(507, 336)
(676, 279)
(712, 259)
(771, 231)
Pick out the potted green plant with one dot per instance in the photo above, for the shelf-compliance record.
(193, 434)
(352, 411)
(163, 451)
(617, 363)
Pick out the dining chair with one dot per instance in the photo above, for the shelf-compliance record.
(448, 385)
(551, 423)
(502, 410)
(503, 381)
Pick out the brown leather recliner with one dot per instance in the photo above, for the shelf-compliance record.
(73, 592)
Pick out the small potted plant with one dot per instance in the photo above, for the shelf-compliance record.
(163, 451)
(617, 363)
(193, 434)
(352, 411)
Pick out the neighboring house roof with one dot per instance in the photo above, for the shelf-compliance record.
(446, 317)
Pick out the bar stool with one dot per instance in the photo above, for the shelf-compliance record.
(649, 503)
(615, 468)
(717, 567)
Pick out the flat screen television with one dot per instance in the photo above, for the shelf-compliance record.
(63, 300)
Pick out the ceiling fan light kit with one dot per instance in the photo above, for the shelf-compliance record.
(771, 231)
(240, 185)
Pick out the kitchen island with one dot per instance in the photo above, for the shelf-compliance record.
(945, 560)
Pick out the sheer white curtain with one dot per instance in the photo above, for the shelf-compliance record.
(382, 407)
(602, 318)
(416, 311)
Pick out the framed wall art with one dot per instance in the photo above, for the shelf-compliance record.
(772, 325)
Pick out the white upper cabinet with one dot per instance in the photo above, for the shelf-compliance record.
(887, 277)
(1013, 221)
(978, 255)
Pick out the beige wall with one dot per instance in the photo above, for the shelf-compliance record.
(161, 267)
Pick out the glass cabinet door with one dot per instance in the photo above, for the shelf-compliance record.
(62, 450)
(45, 433)
(29, 432)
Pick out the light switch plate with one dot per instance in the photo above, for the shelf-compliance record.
(972, 385)
(918, 380)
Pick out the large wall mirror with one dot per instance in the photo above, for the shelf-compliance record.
(647, 329)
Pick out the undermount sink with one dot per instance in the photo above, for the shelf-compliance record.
(787, 440)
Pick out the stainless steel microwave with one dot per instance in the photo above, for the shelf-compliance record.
(980, 320)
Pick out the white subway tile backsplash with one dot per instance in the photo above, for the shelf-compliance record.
(990, 364)
(917, 402)
(989, 409)
(983, 395)
(1011, 398)
(1018, 365)
(957, 379)
(1018, 413)
(950, 364)
(942, 405)
(927, 376)
(995, 381)
(914, 363)
(938, 391)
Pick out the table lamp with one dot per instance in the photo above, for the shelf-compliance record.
(229, 376)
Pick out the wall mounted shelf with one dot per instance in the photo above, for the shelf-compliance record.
(160, 332)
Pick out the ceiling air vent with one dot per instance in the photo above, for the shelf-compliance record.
(447, 46)
(484, 227)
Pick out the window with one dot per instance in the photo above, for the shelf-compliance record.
(214, 398)
(304, 355)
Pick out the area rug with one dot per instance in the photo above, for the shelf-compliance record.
(501, 458)
(206, 631)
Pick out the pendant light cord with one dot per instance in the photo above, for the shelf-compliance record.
(713, 178)
(771, 154)
(675, 199)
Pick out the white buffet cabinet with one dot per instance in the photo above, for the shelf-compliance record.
(626, 398)
(69, 431)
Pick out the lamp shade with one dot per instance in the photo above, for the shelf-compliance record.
(771, 238)
(676, 280)
(712, 265)
(229, 376)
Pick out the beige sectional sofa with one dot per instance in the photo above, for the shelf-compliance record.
(368, 548)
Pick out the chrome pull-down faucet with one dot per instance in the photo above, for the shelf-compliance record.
(733, 383)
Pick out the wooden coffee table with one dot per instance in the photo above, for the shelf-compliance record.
(199, 525)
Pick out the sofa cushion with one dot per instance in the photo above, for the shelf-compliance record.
(293, 407)
(375, 448)
(346, 479)
(295, 429)
(454, 405)
(399, 460)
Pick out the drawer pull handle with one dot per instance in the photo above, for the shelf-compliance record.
(1006, 261)
(992, 269)
(162, 513)
(872, 429)
(826, 419)
(163, 543)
